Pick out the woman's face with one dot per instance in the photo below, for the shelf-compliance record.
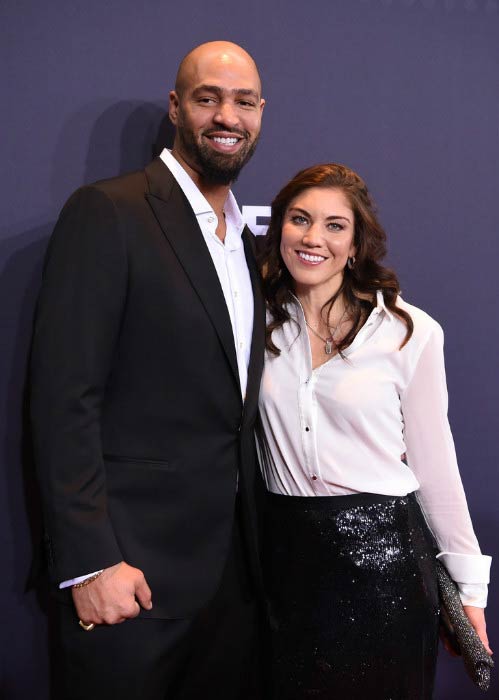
(317, 239)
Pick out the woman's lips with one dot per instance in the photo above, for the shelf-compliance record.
(309, 258)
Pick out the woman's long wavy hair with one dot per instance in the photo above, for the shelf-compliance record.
(360, 283)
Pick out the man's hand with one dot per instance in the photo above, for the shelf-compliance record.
(113, 596)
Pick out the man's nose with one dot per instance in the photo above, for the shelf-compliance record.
(226, 114)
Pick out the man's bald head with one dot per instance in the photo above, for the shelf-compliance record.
(221, 52)
(216, 108)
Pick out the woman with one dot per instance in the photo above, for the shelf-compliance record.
(354, 425)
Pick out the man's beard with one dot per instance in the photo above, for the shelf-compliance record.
(215, 168)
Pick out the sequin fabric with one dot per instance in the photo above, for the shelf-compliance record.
(353, 598)
(476, 659)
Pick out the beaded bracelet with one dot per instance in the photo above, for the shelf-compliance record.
(87, 580)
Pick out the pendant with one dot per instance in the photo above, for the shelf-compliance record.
(329, 346)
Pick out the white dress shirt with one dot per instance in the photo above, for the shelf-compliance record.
(230, 263)
(344, 427)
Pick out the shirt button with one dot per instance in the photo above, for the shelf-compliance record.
(314, 478)
(211, 219)
(241, 345)
(235, 294)
(307, 429)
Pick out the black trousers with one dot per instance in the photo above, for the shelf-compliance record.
(353, 598)
(215, 654)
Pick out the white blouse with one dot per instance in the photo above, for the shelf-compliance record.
(345, 427)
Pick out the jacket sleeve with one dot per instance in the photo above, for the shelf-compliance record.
(76, 330)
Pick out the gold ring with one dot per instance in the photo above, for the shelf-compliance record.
(87, 628)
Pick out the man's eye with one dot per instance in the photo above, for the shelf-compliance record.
(245, 103)
(207, 100)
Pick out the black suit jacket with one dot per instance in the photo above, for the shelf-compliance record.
(139, 426)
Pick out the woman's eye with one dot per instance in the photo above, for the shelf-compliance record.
(334, 226)
(298, 219)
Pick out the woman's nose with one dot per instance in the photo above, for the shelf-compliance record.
(312, 236)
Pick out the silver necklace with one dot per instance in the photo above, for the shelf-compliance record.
(328, 342)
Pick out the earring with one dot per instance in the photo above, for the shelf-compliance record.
(351, 262)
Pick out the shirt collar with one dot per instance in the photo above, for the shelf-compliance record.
(381, 306)
(196, 199)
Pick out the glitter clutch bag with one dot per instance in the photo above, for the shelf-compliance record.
(460, 631)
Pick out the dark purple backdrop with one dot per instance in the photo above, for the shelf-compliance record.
(404, 91)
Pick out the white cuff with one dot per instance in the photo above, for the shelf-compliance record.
(473, 594)
(79, 579)
(467, 568)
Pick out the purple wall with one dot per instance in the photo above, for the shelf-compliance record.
(404, 91)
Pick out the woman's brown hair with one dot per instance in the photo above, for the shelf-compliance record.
(360, 283)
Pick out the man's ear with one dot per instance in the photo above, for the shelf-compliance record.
(173, 106)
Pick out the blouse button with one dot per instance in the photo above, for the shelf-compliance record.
(307, 429)
(314, 478)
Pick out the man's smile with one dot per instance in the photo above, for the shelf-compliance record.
(225, 141)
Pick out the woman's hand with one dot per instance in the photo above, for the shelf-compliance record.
(477, 618)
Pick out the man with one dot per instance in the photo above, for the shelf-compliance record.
(146, 363)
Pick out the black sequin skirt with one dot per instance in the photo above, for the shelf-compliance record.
(352, 596)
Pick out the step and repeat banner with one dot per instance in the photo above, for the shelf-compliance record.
(403, 91)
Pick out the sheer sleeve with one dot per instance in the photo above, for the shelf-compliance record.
(432, 457)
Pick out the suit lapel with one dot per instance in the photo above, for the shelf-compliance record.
(258, 341)
(179, 225)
